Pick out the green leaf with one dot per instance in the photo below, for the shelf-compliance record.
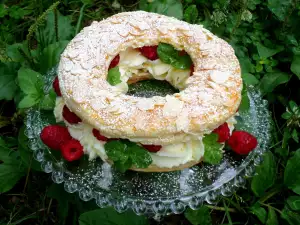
(280, 8)
(191, 14)
(113, 76)
(3, 11)
(48, 101)
(125, 154)
(294, 202)
(10, 173)
(272, 217)
(16, 12)
(295, 66)
(291, 217)
(249, 79)
(265, 52)
(28, 101)
(168, 54)
(260, 212)
(8, 75)
(51, 55)
(286, 115)
(47, 35)
(271, 80)
(171, 8)
(213, 153)
(30, 81)
(109, 216)
(292, 173)
(13, 52)
(295, 135)
(245, 102)
(198, 217)
(266, 175)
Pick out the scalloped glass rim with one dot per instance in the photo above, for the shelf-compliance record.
(227, 176)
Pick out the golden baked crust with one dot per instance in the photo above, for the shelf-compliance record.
(212, 94)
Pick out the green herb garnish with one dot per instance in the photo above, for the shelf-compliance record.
(126, 154)
(168, 54)
(213, 153)
(113, 76)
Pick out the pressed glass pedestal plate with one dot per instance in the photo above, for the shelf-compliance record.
(153, 193)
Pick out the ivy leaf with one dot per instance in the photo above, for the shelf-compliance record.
(260, 212)
(191, 14)
(266, 174)
(271, 80)
(294, 202)
(169, 55)
(51, 55)
(291, 217)
(113, 76)
(280, 8)
(272, 217)
(126, 154)
(292, 173)
(265, 52)
(249, 79)
(109, 216)
(11, 170)
(8, 74)
(65, 29)
(171, 8)
(213, 152)
(245, 102)
(198, 217)
(30, 82)
(295, 66)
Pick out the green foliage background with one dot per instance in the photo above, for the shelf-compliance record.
(266, 39)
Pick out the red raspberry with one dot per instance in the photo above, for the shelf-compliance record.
(54, 136)
(242, 142)
(70, 116)
(72, 150)
(152, 148)
(150, 52)
(223, 131)
(56, 86)
(182, 53)
(114, 62)
(97, 135)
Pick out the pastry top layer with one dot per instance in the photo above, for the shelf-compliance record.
(212, 94)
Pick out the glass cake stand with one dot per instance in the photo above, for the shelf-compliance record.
(153, 193)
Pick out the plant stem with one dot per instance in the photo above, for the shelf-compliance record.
(271, 193)
(80, 19)
(221, 208)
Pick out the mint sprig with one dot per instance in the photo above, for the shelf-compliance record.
(169, 55)
(126, 154)
(213, 153)
(113, 76)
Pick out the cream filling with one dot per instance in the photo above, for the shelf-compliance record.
(169, 156)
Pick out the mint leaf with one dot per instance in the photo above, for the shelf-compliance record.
(245, 102)
(265, 52)
(291, 217)
(292, 173)
(125, 154)
(266, 175)
(30, 81)
(249, 79)
(169, 55)
(198, 217)
(113, 76)
(28, 101)
(48, 101)
(280, 8)
(109, 216)
(295, 66)
(8, 75)
(212, 149)
(260, 212)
